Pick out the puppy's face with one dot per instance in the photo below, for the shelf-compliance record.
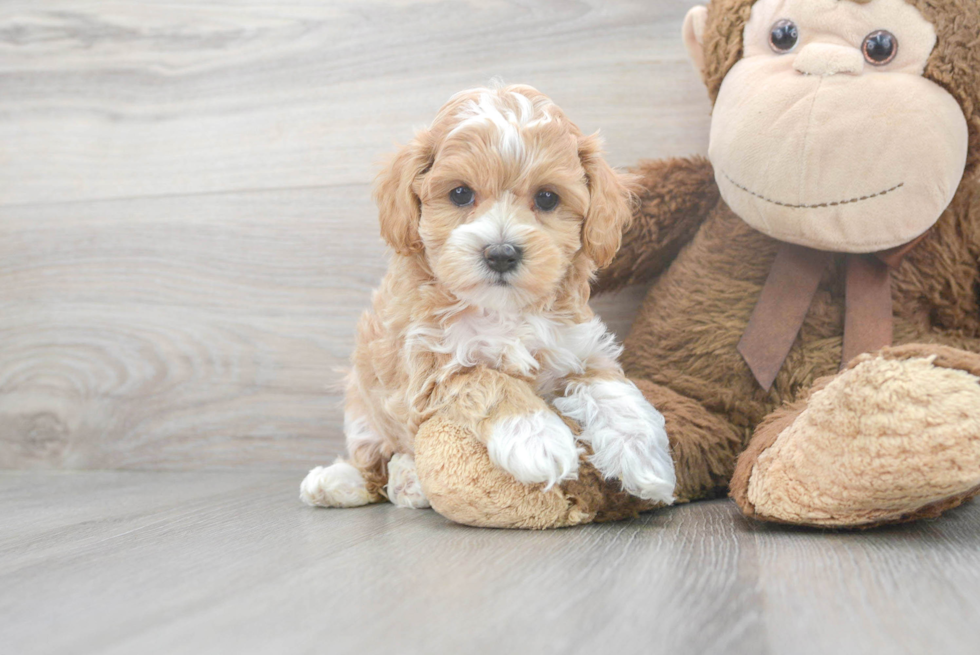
(500, 196)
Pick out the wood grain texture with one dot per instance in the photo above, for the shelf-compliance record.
(186, 232)
(221, 562)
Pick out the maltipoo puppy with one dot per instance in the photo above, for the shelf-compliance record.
(499, 215)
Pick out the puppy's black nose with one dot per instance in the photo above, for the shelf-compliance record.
(502, 257)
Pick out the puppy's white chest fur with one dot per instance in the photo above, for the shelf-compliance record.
(539, 346)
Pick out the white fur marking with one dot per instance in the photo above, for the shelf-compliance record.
(404, 488)
(627, 435)
(483, 110)
(508, 122)
(535, 448)
(544, 120)
(479, 285)
(338, 485)
(527, 344)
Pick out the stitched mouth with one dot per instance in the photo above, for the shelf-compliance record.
(822, 205)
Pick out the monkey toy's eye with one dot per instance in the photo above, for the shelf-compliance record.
(546, 201)
(784, 36)
(880, 47)
(462, 196)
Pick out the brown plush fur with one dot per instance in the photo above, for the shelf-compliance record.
(696, 311)
(707, 269)
(706, 455)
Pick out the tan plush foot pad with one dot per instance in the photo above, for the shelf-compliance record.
(893, 438)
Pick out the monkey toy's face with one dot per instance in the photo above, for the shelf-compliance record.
(826, 134)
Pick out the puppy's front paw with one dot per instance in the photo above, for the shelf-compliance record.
(534, 448)
(644, 468)
(337, 485)
(627, 436)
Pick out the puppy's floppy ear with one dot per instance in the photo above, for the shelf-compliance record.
(611, 203)
(396, 193)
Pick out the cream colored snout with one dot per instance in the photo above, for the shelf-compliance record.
(826, 59)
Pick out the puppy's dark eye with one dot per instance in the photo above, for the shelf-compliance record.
(462, 196)
(546, 201)
(784, 36)
(880, 47)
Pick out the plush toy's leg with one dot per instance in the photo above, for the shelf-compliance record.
(894, 437)
(463, 485)
(703, 445)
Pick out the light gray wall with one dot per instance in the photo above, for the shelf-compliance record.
(186, 232)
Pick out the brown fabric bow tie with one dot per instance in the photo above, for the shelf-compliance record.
(789, 290)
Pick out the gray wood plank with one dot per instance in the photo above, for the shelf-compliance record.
(123, 99)
(186, 232)
(218, 562)
(145, 333)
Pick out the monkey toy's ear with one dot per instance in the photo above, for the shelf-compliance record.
(694, 24)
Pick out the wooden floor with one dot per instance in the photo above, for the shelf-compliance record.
(223, 562)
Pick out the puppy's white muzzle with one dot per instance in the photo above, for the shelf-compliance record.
(492, 249)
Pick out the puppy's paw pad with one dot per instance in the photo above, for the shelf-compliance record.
(337, 485)
(404, 488)
(648, 474)
(627, 434)
(535, 448)
(641, 460)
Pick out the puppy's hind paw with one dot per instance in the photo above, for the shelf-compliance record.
(535, 448)
(337, 485)
(404, 489)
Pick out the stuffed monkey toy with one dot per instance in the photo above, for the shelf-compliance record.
(811, 331)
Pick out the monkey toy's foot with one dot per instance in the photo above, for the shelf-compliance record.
(894, 437)
(464, 485)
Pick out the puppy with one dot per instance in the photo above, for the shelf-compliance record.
(498, 214)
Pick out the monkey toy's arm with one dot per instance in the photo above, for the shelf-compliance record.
(675, 197)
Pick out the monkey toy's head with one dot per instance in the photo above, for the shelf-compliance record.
(842, 125)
